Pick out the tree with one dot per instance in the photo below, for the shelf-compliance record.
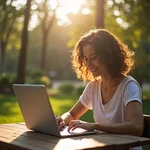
(82, 23)
(46, 25)
(8, 16)
(24, 44)
(137, 34)
(99, 21)
(56, 50)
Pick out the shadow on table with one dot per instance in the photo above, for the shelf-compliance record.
(38, 141)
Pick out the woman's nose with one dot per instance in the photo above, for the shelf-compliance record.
(88, 62)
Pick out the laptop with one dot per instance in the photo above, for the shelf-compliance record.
(37, 111)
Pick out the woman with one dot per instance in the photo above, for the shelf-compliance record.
(115, 98)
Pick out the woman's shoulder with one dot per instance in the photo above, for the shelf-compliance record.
(95, 81)
(131, 90)
(129, 81)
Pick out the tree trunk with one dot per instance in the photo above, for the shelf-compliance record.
(99, 22)
(44, 50)
(2, 57)
(46, 27)
(23, 51)
(6, 30)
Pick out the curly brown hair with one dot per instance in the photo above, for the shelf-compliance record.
(112, 53)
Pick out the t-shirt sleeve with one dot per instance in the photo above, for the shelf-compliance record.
(85, 98)
(132, 93)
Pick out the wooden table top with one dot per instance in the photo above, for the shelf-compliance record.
(16, 136)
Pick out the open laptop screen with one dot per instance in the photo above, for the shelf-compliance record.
(37, 111)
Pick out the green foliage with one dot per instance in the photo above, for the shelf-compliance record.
(46, 81)
(146, 94)
(34, 72)
(66, 88)
(70, 89)
(40, 80)
(136, 36)
(79, 90)
(36, 76)
(9, 28)
(6, 81)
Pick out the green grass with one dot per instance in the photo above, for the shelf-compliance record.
(10, 111)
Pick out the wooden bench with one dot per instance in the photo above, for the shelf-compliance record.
(146, 131)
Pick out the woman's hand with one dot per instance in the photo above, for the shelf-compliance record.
(60, 122)
(80, 124)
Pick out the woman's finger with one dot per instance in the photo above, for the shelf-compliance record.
(73, 124)
(58, 119)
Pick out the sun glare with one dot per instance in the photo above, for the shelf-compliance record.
(66, 7)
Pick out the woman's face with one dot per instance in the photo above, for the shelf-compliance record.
(92, 61)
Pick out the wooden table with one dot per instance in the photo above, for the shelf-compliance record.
(17, 137)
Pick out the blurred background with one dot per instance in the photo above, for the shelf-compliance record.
(37, 36)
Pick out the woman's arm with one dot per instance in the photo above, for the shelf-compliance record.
(75, 112)
(132, 126)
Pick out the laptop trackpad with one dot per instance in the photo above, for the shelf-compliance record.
(76, 132)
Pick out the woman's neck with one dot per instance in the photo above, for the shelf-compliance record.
(109, 82)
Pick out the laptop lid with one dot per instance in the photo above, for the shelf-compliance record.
(37, 111)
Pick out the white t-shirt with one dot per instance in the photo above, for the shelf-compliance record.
(113, 111)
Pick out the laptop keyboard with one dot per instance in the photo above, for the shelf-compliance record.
(64, 131)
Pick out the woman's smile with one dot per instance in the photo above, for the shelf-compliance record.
(94, 69)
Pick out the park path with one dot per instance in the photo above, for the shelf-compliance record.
(57, 83)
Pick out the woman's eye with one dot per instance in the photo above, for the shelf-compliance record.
(93, 57)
